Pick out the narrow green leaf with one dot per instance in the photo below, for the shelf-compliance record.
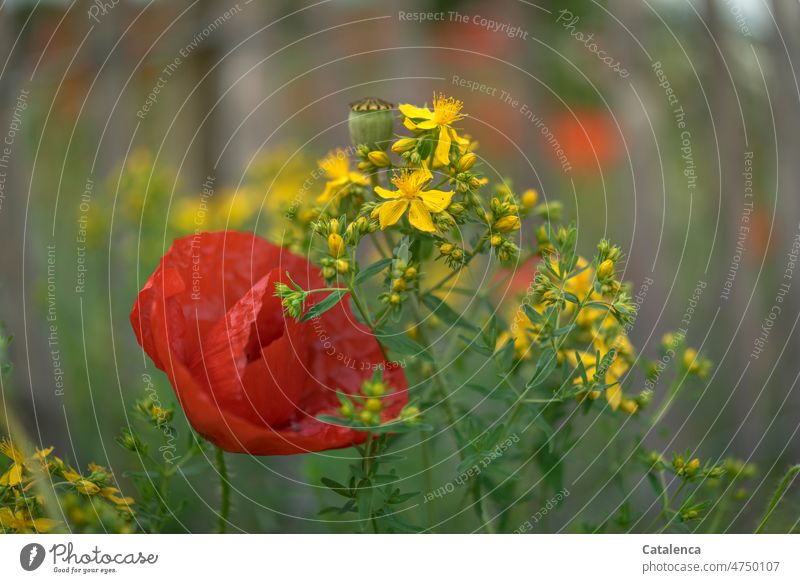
(402, 344)
(532, 314)
(446, 313)
(336, 487)
(373, 269)
(546, 365)
(330, 301)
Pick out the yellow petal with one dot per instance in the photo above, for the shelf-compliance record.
(415, 112)
(420, 218)
(71, 475)
(333, 188)
(409, 124)
(43, 453)
(428, 124)
(391, 211)
(43, 524)
(614, 397)
(357, 178)
(443, 147)
(436, 200)
(7, 448)
(12, 477)
(386, 193)
(7, 519)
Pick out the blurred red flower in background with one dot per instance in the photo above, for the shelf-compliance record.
(589, 138)
(250, 379)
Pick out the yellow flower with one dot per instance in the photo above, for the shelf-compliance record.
(446, 111)
(410, 195)
(21, 521)
(112, 495)
(614, 374)
(337, 168)
(14, 474)
(238, 206)
(614, 397)
(87, 487)
(41, 454)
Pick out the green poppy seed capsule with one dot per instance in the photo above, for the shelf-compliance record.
(371, 122)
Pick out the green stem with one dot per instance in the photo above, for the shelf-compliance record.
(482, 511)
(784, 484)
(453, 273)
(669, 508)
(225, 494)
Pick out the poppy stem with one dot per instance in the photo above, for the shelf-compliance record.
(225, 494)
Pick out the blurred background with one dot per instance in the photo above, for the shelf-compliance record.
(670, 126)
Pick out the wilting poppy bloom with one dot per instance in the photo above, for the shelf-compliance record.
(249, 378)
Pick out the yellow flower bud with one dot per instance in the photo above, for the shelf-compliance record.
(399, 285)
(410, 414)
(333, 226)
(692, 467)
(346, 411)
(404, 145)
(395, 299)
(690, 359)
(466, 162)
(446, 249)
(365, 417)
(374, 405)
(507, 224)
(375, 389)
(335, 245)
(342, 266)
(380, 159)
(496, 240)
(529, 198)
(629, 406)
(605, 270)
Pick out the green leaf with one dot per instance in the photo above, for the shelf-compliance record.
(330, 301)
(446, 313)
(582, 369)
(402, 344)
(505, 357)
(477, 346)
(546, 365)
(563, 330)
(532, 314)
(373, 269)
(336, 487)
(400, 525)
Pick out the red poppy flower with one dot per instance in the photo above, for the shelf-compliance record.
(250, 379)
(589, 139)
